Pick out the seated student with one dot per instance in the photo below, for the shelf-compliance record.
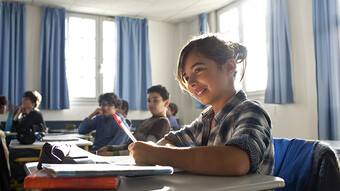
(231, 137)
(107, 129)
(28, 113)
(28, 116)
(3, 103)
(170, 113)
(123, 109)
(151, 129)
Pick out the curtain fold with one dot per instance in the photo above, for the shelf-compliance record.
(133, 69)
(203, 28)
(53, 83)
(12, 51)
(279, 86)
(327, 55)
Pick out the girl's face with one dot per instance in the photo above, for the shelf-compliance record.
(107, 109)
(209, 83)
(156, 104)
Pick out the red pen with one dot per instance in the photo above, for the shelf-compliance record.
(127, 131)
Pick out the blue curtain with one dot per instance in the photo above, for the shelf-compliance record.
(133, 69)
(12, 51)
(53, 83)
(279, 86)
(327, 55)
(203, 23)
(202, 29)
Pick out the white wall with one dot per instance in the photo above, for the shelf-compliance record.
(299, 119)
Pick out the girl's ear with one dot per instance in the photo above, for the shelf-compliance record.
(230, 66)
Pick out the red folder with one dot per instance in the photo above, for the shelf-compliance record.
(42, 180)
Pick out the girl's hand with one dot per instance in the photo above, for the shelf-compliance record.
(144, 152)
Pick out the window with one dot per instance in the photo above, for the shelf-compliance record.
(245, 22)
(90, 51)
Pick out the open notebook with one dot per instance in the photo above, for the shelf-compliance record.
(84, 163)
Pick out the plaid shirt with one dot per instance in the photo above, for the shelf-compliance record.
(241, 123)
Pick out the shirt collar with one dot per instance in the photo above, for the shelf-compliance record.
(231, 104)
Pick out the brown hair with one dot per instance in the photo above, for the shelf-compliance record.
(173, 108)
(33, 97)
(214, 48)
(111, 98)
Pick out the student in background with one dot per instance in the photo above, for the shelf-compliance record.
(28, 113)
(151, 129)
(107, 129)
(9, 120)
(123, 109)
(231, 137)
(3, 103)
(28, 116)
(170, 113)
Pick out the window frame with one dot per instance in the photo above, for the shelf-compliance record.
(82, 101)
(258, 94)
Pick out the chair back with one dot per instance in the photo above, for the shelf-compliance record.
(306, 165)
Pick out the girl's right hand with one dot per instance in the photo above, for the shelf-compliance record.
(143, 153)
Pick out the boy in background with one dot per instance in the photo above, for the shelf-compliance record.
(123, 109)
(151, 129)
(107, 129)
(170, 113)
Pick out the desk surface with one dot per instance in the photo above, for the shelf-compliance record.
(188, 181)
(182, 180)
(15, 144)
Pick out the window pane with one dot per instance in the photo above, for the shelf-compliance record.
(245, 22)
(229, 25)
(254, 36)
(109, 55)
(81, 57)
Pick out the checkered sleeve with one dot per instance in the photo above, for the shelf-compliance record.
(185, 137)
(253, 134)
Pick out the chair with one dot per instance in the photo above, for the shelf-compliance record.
(306, 165)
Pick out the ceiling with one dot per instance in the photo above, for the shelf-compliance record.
(172, 11)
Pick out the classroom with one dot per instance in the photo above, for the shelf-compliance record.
(300, 102)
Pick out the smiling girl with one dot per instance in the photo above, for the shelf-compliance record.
(232, 136)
